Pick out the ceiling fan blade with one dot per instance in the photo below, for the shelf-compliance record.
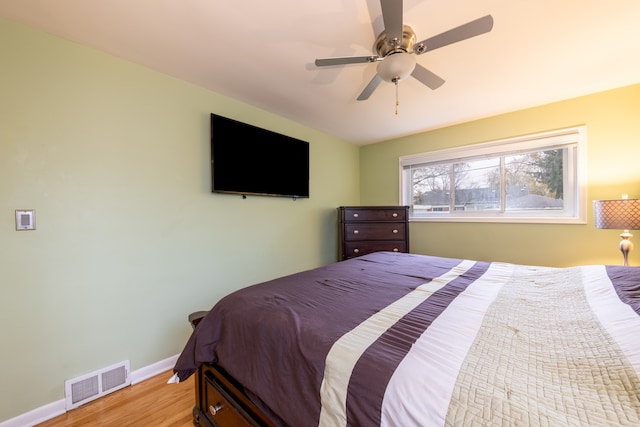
(392, 18)
(345, 60)
(373, 84)
(463, 32)
(426, 77)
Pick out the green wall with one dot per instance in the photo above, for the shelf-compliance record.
(613, 151)
(114, 158)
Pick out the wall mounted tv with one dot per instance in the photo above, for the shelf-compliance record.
(249, 160)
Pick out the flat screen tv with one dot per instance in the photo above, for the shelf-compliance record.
(249, 160)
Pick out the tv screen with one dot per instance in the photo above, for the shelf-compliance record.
(249, 160)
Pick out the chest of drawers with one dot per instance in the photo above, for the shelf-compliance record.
(366, 229)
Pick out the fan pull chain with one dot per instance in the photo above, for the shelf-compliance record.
(397, 102)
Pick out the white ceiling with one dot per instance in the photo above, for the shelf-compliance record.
(262, 53)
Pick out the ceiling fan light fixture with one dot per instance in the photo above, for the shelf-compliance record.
(396, 66)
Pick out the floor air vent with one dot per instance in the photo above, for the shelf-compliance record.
(86, 388)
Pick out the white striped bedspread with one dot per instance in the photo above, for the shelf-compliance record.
(409, 340)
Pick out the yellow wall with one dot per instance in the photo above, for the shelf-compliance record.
(613, 150)
(114, 158)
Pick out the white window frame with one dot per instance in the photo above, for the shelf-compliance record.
(575, 203)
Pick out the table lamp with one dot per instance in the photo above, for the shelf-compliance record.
(623, 214)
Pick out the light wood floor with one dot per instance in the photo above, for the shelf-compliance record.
(152, 402)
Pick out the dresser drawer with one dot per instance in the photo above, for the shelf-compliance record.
(374, 231)
(375, 214)
(355, 249)
(219, 410)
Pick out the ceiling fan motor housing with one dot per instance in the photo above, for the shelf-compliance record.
(383, 46)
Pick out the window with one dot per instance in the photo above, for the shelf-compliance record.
(536, 178)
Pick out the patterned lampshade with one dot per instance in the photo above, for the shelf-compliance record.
(623, 214)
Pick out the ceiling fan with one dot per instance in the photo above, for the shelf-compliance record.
(396, 45)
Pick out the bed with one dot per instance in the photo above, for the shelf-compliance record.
(396, 339)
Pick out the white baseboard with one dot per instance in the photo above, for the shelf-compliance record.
(37, 416)
(152, 370)
(53, 409)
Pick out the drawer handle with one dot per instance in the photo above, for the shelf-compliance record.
(355, 231)
(395, 231)
(356, 251)
(394, 214)
(214, 409)
(355, 215)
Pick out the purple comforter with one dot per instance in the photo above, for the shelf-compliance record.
(279, 338)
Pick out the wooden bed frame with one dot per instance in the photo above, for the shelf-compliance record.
(220, 400)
